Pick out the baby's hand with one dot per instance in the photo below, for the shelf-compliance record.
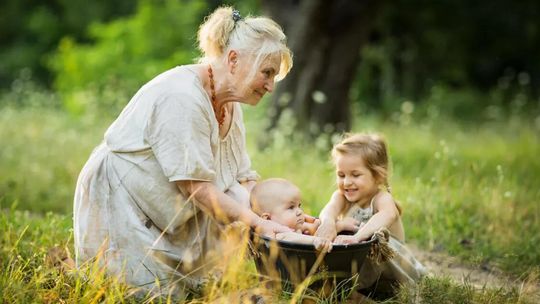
(348, 224)
(310, 227)
(326, 230)
(346, 239)
(322, 244)
(309, 218)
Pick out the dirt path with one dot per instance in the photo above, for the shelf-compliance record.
(441, 264)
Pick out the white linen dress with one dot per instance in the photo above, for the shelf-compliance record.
(129, 215)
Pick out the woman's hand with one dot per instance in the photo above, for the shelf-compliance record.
(322, 244)
(327, 230)
(270, 228)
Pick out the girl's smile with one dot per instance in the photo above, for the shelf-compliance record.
(354, 180)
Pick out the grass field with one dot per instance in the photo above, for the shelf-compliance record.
(471, 190)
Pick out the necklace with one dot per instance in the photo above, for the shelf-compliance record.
(220, 115)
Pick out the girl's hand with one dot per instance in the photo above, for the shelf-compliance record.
(348, 224)
(322, 244)
(346, 239)
(327, 230)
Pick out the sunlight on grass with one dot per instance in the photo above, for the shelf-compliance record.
(42, 154)
(471, 191)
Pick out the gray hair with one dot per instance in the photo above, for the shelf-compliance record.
(257, 36)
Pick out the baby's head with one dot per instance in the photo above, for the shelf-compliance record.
(278, 200)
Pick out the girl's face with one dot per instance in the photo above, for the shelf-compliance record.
(287, 209)
(251, 89)
(354, 179)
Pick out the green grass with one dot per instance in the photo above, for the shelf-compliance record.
(41, 155)
(468, 190)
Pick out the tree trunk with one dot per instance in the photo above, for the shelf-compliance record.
(326, 38)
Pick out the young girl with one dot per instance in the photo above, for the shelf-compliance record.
(363, 194)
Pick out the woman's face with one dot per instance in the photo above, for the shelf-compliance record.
(250, 88)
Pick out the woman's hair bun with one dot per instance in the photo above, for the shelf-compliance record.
(215, 31)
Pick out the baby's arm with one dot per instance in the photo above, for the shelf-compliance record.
(318, 242)
(329, 215)
(387, 213)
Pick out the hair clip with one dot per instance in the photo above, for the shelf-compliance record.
(236, 15)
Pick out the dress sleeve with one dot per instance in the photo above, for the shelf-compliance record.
(179, 133)
(245, 173)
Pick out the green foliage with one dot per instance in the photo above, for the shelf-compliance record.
(472, 186)
(127, 53)
(484, 51)
(31, 29)
(418, 46)
(27, 276)
(443, 290)
(46, 150)
(26, 92)
(24, 240)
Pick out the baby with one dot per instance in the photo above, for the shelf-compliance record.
(279, 200)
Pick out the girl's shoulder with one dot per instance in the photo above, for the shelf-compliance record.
(383, 199)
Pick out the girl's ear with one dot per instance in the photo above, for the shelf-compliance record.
(266, 216)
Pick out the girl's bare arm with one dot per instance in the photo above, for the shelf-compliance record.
(329, 215)
(386, 214)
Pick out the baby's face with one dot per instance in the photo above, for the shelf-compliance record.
(287, 209)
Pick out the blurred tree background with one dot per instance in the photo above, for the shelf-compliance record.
(31, 29)
(466, 59)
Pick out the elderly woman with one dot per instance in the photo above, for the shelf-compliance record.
(173, 169)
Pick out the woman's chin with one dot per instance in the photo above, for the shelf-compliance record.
(253, 101)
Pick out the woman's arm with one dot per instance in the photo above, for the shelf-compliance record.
(385, 216)
(329, 215)
(224, 209)
(249, 185)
